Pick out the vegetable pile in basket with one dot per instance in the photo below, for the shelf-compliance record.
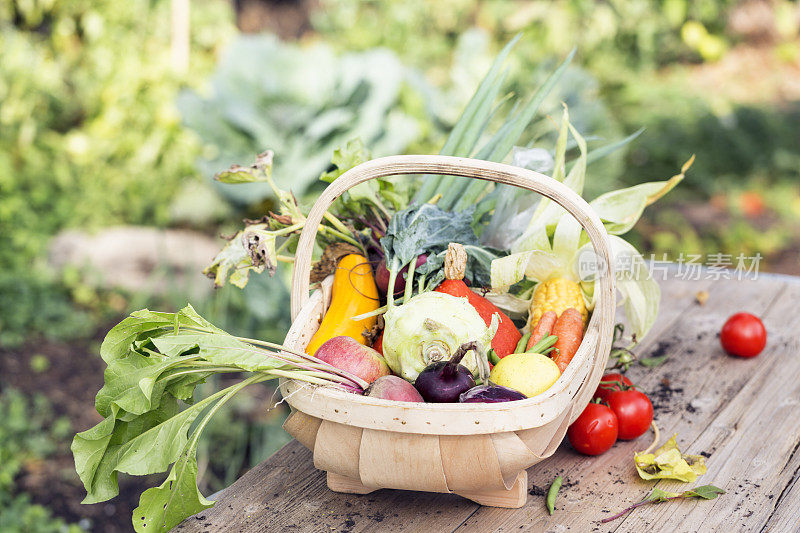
(444, 290)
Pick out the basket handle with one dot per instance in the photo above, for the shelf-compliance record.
(467, 168)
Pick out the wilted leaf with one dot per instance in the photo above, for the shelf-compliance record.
(261, 170)
(330, 258)
(706, 492)
(659, 495)
(667, 462)
(232, 264)
(260, 245)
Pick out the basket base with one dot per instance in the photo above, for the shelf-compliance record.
(513, 498)
(346, 484)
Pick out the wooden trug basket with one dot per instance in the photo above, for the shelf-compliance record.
(479, 451)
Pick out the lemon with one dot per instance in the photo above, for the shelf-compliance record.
(528, 373)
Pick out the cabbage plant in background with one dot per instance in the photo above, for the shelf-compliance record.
(302, 102)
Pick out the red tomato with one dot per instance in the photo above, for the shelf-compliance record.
(634, 412)
(744, 335)
(610, 385)
(595, 431)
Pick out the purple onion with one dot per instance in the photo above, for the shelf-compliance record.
(445, 381)
(490, 394)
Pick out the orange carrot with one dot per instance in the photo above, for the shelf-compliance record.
(542, 329)
(569, 329)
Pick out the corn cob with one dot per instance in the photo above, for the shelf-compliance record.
(557, 294)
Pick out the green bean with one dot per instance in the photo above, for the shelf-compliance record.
(544, 345)
(523, 342)
(552, 493)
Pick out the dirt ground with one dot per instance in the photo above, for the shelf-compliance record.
(73, 378)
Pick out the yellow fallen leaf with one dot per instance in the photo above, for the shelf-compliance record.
(667, 462)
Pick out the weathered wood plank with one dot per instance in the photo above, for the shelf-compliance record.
(754, 440)
(785, 514)
(697, 363)
(287, 493)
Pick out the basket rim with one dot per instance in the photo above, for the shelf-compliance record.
(337, 405)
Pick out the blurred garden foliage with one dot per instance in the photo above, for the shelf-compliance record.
(89, 133)
(643, 59)
(612, 36)
(29, 434)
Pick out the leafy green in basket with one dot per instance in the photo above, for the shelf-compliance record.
(429, 229)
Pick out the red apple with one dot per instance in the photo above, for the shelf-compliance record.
(348, 354)
(394, 388)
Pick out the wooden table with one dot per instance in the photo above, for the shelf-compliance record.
(742, 414)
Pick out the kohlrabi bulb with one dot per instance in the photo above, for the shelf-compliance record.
(430, 327)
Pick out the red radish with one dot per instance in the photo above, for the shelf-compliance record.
(393, 388)
(382, 275)
(348, 354)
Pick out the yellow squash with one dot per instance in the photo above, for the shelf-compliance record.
(354, 293)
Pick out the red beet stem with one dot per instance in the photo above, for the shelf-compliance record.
(452, 365)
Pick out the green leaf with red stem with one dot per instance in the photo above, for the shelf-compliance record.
(704, 492)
